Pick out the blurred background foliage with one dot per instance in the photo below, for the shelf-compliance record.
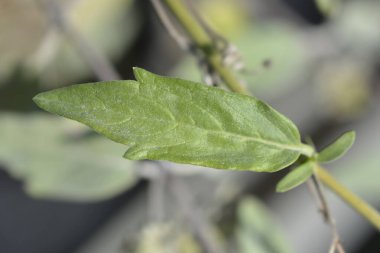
(65, 189)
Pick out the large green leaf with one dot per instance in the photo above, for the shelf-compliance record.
(338, 148)
(296, 177)
(163, 118)
(46, 153)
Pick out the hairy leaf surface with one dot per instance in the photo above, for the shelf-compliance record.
(338, 148)
(162, 118)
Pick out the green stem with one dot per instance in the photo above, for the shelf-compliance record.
(204, 42)
(367, 211)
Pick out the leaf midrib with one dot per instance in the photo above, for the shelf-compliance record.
(299, 148)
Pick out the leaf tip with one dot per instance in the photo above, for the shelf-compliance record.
(352, 134)
(280, 189)
(39, 99)
(338, 148)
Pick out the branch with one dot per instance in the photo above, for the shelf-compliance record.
(204, 42)
(317, 188)
(184, 42)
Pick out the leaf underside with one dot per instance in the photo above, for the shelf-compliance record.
(296, 177)
(338, 148)
(162, 118)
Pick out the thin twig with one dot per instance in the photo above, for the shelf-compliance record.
(229, 52)
(204, 42)
(184, 42)
(181, 39)
(336, 244)
(98, 62)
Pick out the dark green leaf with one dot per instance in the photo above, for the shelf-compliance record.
(338, 148)
(163, 118)
(296, 177)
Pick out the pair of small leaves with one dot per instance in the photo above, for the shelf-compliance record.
(302, 173)
(162, 118)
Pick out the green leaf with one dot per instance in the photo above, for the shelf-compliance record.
(46, 153)
(162, 118)
(296, 177)
(338, 148)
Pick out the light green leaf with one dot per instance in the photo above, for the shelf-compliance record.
(276, 43)
(162, 118)
(296, 177)
(46, 153)
(338, 148)
(257, 231)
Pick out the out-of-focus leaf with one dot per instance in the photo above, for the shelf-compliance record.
(327, 7)
(296, 177)
(164, 238)
(43, 152)
(274, 57)
(257, 231)
(338, 148)
(29, 38)
(22, 27)
(343, 88)
(163, 118)
(356, 27)
(110, 26)
(228, 17)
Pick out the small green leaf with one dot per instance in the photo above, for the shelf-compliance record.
(296, 177)
(162, 118)
(338, 148)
